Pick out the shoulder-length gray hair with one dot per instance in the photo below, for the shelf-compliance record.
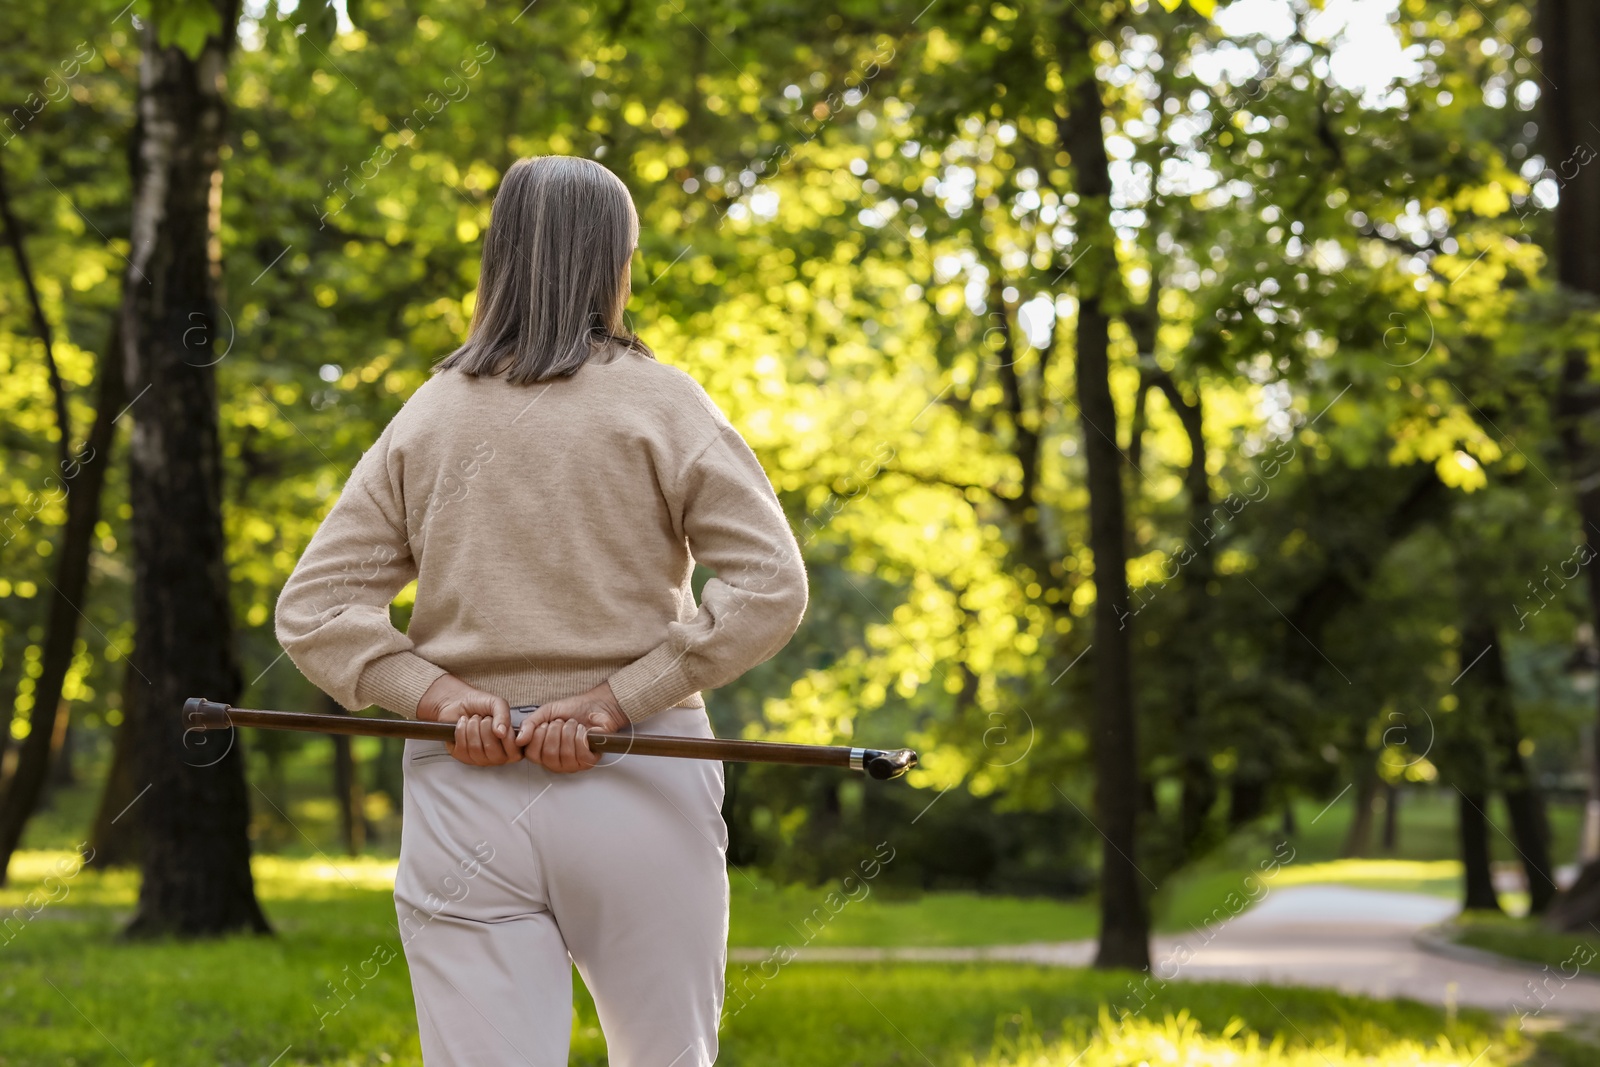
(555, 274)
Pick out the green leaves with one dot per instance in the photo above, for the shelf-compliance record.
(185, 23)
(1206, 8)
(841, 224)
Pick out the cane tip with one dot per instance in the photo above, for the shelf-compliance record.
(202, 714)
(891, 764)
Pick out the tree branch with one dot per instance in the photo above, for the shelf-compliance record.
(40, 323)
(940, 480)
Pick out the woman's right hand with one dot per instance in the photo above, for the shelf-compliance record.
(556, 736)
(484, 737)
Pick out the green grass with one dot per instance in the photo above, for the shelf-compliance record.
(1181, 1039)
(1527, 940)
(764, 915)
(71, 993)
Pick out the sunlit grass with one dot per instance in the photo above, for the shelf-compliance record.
(1180, 1039)
(58, 875)
(58, 879)
(1434, 877)
(284, 877)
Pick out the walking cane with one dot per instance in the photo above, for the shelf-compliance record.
(202, 714)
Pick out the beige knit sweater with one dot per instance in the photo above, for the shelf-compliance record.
(552, 530)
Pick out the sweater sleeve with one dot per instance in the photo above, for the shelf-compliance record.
(333, 614)
(753, 605)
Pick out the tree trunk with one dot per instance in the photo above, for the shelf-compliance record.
(387, 773)
(1480, 645)
(1474, 827)
(1391, 819)
(1199, 788)
(114, 834)
(1570, 109)
(348, 794)
(1358, 837)
(1247, 800)
(194, 821)
(1124, 924)
(83, 479)
(1462, 754)
(1124, 920)
(63, 773)
(1571, 911)
(11, 656)
(1531, 831)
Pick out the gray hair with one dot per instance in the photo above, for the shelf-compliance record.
(555, 274)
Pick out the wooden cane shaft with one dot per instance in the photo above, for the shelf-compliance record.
(210, 716)
(721, 749)
(355, 725)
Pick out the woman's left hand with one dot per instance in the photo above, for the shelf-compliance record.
(556, 736)
(483, 721)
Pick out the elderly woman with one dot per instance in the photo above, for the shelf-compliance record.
(549, 490)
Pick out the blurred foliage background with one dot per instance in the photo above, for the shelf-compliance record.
(1335, 291)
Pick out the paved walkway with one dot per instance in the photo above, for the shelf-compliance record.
(1359, 941)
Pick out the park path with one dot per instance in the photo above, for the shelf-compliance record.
(1358, 941)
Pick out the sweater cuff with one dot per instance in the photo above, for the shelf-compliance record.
(653, 683)
(397, 682)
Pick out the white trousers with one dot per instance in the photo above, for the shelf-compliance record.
(510, 875)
